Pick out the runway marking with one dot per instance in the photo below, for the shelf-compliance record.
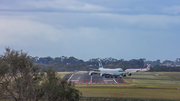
(91, 79)
(115, 80)
(70, 77)
(109, 80)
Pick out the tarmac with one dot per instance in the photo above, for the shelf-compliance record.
(85, 78)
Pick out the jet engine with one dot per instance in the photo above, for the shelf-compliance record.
(124, 75)
(101, 74)
(129, 74)
(90, 73)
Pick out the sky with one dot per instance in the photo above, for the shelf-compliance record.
(86, 29)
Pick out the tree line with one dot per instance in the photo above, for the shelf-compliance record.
(71, 63)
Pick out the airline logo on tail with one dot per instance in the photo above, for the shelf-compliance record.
(100, 64)
(148, 68)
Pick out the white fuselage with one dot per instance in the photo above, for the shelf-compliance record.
(135, 70)
(117, 71)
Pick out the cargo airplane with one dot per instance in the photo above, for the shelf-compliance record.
(130, 71)
(108, 73)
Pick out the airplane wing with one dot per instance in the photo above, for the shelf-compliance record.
(94, 69)
(77, 71)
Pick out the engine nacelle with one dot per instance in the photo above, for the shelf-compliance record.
(129, 74)
(90, 73)
(101, 74)
(124, 75)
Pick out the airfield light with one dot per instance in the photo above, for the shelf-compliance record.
(77, 81)
(105, 81)
(86, 81)
(124, 81)
(100, 80)
(131, 80)
(90, 81)
(81, 81)
(117, 81)
(111, 81)
(95, 80)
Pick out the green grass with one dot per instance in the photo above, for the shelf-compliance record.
(119, 92)
(155, 78)
(153, 85)
(156, 75)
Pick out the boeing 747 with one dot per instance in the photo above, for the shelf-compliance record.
(108, 73)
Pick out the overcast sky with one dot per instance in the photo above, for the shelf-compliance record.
(86, 29)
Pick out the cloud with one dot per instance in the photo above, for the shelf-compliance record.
(52, 5)
(108, 20)
(53, 27)
(23, 32)
(73, 5)
(15, 31)
(175, 10)
(142, 21)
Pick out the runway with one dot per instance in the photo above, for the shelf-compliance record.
(85, 78)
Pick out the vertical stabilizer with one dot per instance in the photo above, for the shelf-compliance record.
(100, 64)
(148, 67)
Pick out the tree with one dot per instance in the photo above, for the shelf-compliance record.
(21, 80)
(16, 74)
(45, 60)
(62, 91)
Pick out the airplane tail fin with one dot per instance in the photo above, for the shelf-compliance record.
(148, 67)
(100, 64)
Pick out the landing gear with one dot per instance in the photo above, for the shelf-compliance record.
(111, 76)
(106, 76)
(124, 75)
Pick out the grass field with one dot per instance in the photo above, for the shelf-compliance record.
(130, 92)
(166, 78)
(158, 85)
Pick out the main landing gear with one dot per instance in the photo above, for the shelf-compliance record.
(111, 76)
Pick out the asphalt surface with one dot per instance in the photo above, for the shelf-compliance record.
(85, 78)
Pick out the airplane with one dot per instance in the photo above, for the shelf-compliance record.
(108, 73)
(130, 71)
